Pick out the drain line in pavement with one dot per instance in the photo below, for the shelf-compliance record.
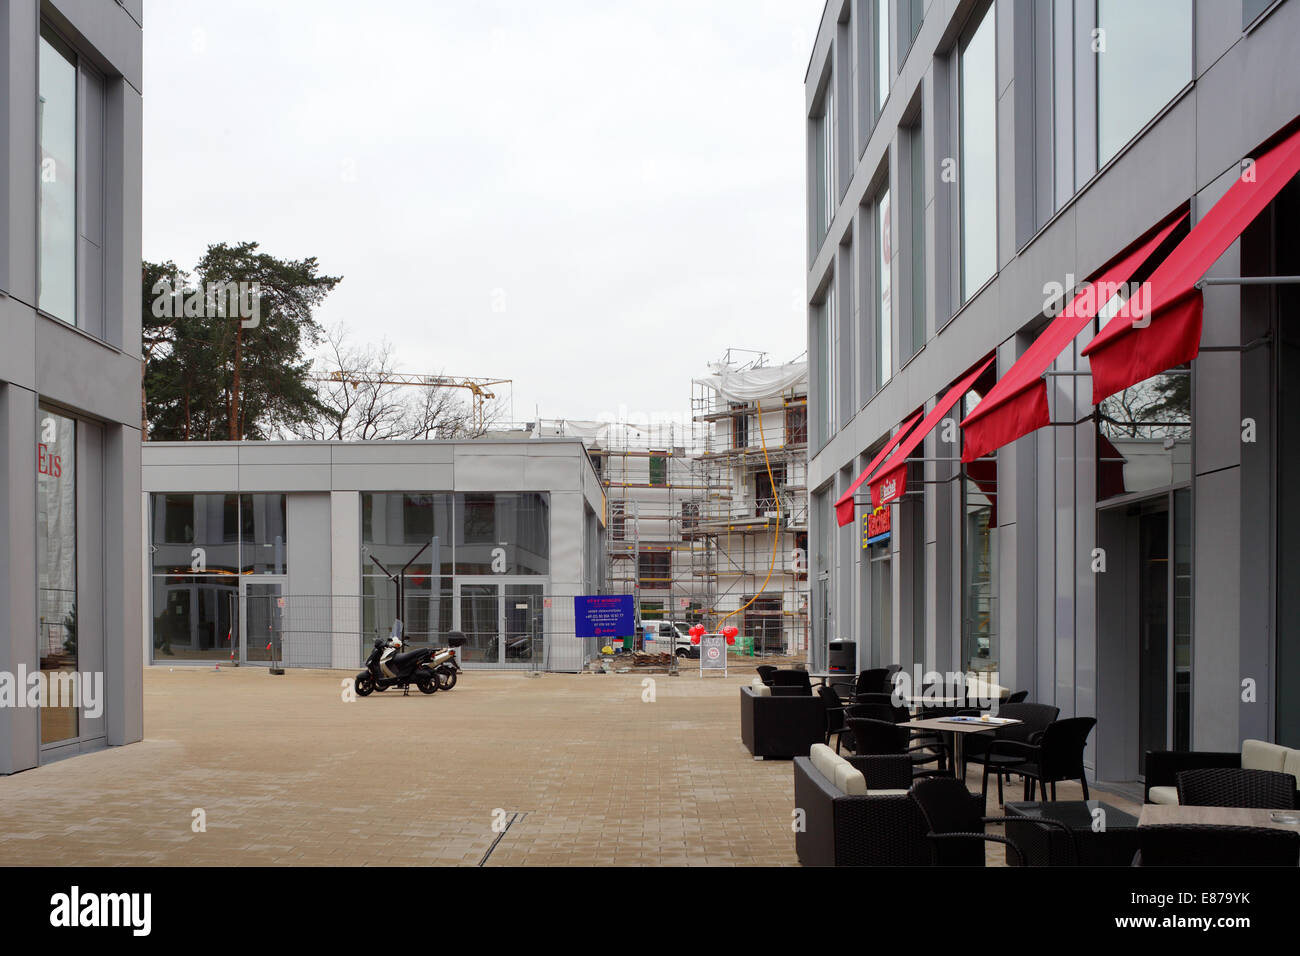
(514, 818)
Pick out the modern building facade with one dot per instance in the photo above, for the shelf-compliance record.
(70, 200)
(294, 551)
(970, 164)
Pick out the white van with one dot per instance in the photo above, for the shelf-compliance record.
(662, 637)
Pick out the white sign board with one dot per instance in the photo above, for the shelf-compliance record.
(713, 654)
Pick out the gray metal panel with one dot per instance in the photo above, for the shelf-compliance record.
(489, 473)
(75, 370)
(105, 32)
(190, 478)
(156, 454)
(1216, 649)
(390, 477)
(273, 478)
(284, 454)
(386, 453)
(18, 142)
(19, 728)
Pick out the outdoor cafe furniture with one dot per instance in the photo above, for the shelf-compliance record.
(765, 672)
(957, 728)
(775, 726)
(1034, 719)
(1163, 766)
(1100, 834)
(1234, 787)
(1199, 844)
(856, 811)
(955, 820)
(835, 720)
(1056, 756)
(793, 678)
(873, 737)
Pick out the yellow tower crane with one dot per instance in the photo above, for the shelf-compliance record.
(478, 387)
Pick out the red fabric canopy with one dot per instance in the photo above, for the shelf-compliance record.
(844, 505)
(891, 481)
(1162, 327)
(1017, 404)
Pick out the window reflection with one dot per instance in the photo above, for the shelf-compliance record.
(57, 177)
(56, 566)
(1144, 436)
(1136, 77)
(978, 173)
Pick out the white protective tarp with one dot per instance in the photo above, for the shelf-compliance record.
(754, 384)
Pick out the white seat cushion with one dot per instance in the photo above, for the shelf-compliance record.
(760, 689)
(824, 759)
(1165, 795)
(890, 793)
(1261, 755)
(849, 780)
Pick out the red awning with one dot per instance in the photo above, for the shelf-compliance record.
(1161, 327)
(844, 505)
(891, 481)
(1017, 404)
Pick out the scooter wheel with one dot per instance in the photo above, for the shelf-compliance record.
(363, 684)
(446, 679)
(427, 685)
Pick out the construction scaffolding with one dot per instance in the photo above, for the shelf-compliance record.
(651, 486)
(749, 531)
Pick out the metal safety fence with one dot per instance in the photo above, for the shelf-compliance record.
(506, 627)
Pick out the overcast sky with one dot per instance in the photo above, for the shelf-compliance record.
(593, 199)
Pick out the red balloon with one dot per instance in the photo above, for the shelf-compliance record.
(697, 631)
(731, 638)
(729, 633)
(695, 638)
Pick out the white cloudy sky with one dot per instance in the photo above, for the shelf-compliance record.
(593, 199)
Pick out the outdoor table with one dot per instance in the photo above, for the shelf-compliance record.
(958, 729)
(825, 676)
(1113, 844)
(1155, 814)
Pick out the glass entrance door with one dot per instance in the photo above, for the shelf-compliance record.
(261, 618)
(478, 617)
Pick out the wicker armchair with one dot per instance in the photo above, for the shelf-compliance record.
(956, 822)
(1202, 845)
(1231, 787)
(874, 829)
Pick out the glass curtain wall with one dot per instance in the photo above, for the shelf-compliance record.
(56, 119)
(978, 171)
(200, 548)
(56, 568)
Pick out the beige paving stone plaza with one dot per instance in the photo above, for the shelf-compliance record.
(287, 773)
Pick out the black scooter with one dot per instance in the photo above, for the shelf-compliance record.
(388, 666)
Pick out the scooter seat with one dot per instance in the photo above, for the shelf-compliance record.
(410, 658)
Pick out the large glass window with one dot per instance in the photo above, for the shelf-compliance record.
(56, 568)
(884, 293)
(980, 570)
(201, 546)
(1144, 436)
(916, 230)
(823, 383)
(56, 120)
(883, 71)
(978, 173)
(1144, 57)
(823, 169)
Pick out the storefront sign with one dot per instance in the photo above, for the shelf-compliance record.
(601, 615)
(876, 526)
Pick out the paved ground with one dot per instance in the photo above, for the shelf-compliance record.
(286, 772)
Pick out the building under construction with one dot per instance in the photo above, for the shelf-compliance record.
(749, 524)
(707, 519)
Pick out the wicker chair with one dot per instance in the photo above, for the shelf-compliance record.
(978, 750)
(1231, 787)
(1202, 845)
(836, 726)
(1057, 755)
(765, 672)
(873, 738)
(956, 821)
(1019, 697)
(875, 829)
(793, 678)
